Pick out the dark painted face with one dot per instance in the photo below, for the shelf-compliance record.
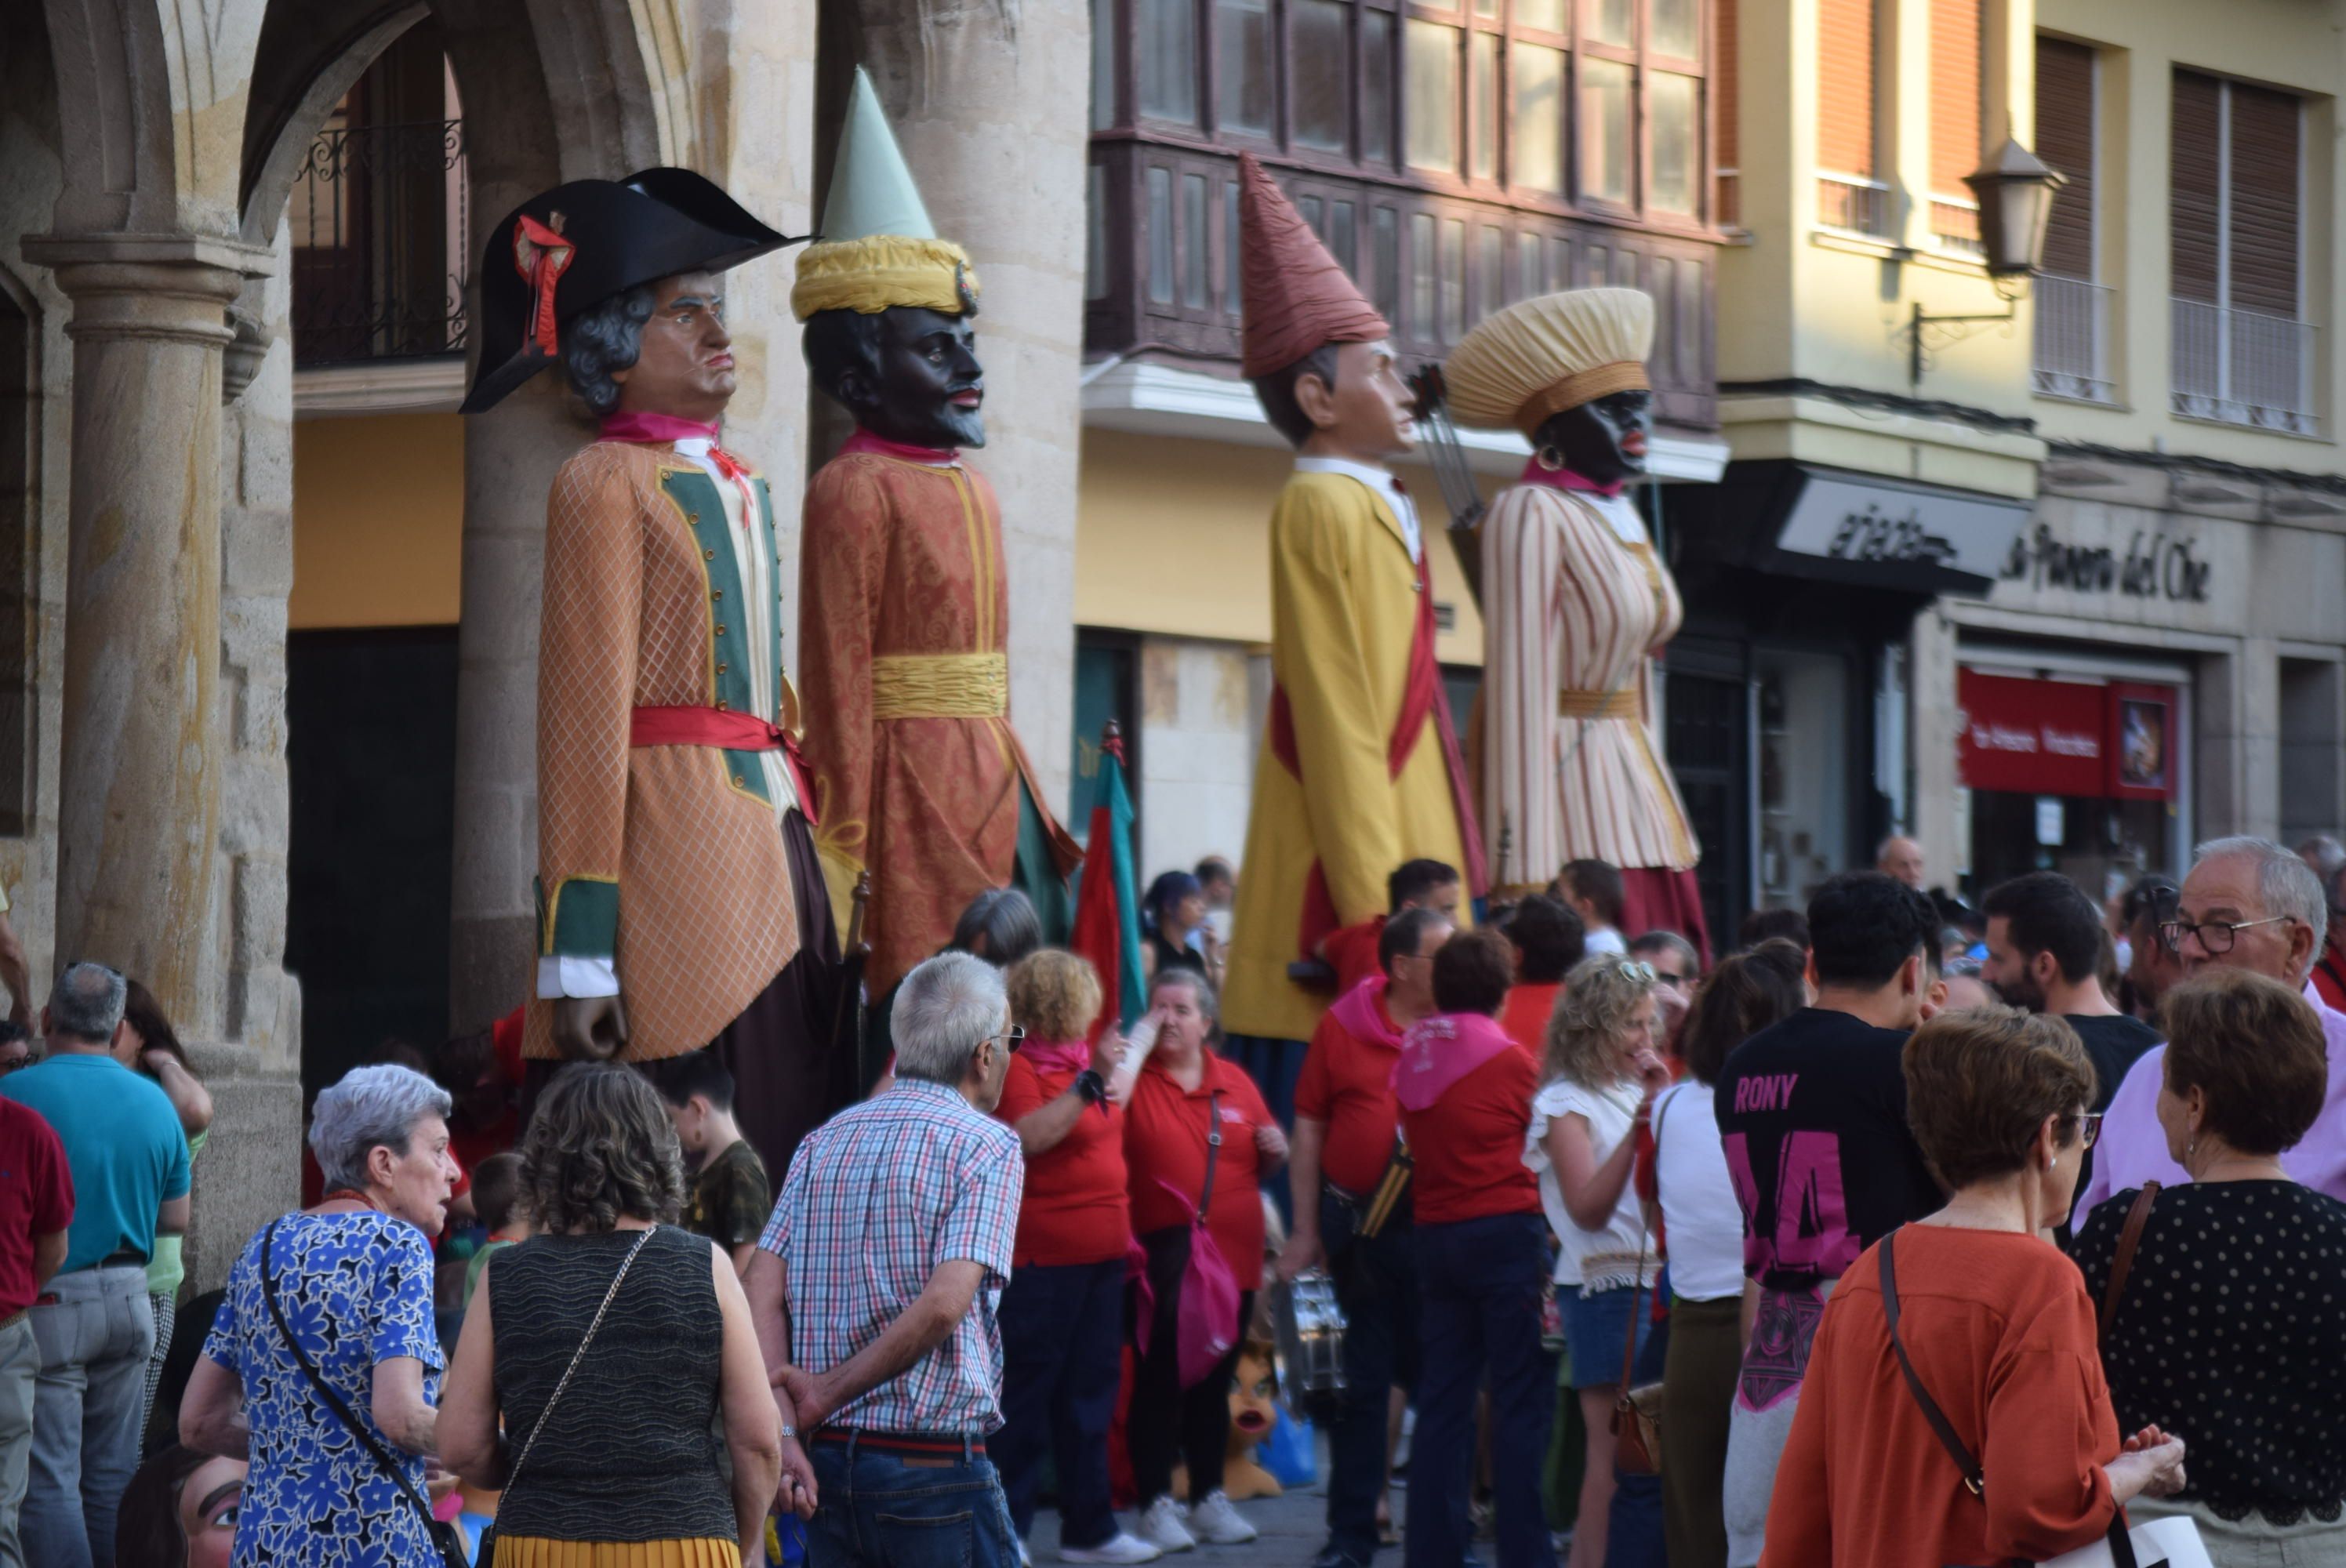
(1603, 440)
(931, 387)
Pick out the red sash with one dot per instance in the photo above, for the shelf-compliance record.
(727, 730)
(1422, 695)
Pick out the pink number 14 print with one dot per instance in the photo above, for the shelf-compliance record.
(1812, 1234)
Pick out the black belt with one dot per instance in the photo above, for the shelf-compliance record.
(122, 1261)
(922, 1445)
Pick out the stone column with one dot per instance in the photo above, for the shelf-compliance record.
(1932, 819)
(139, 793)
(989, 106)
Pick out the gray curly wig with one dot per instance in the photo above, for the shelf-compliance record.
(601, 1147)
(602, 340)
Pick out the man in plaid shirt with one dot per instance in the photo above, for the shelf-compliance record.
(876, 1286)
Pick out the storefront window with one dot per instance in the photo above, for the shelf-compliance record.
(1804, 808)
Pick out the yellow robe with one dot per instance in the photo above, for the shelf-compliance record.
(1343, 614)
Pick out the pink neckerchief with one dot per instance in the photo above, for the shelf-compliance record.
(1055, 1055)
(1439, 1051)
(933, 456)
(1536, 473)
(666, 429)
(1357, 1013)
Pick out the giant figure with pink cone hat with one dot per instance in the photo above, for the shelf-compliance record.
(1361, 768)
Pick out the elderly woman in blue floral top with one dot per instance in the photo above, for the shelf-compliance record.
(352, 1279)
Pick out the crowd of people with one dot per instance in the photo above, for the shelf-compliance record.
(1815, 1255)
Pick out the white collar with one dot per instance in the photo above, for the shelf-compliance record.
(1379, 483)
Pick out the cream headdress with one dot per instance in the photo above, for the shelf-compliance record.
(1529, 362)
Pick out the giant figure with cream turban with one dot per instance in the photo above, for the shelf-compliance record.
(1575, 604)
(903, 593)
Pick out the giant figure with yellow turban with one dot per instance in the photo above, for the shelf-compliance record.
(1574, 605)
(904, 594)
(1360, 770)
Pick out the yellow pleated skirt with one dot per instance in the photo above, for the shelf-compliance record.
(536, 1552)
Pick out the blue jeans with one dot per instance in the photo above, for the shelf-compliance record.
(1062, 1355)
(1376, 1285)
(87, 1399)
(1634, 1537)
(1479, 1283)
(888, 1510)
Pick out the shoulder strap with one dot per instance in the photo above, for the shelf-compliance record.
(1629, 1342)
(1931, 1411)
(1213, 1148)
(2129, 1238)
(625, 1263)
(334, 1403)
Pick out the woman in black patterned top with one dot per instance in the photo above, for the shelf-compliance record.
(2232, 1323)
(623, 1472)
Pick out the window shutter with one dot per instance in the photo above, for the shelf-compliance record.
(1845, 87)
(1722, 77)
(2193, 172)
(2264, 181)
(1954, 94)
(2064, 138)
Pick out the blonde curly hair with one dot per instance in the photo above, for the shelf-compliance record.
(1600, 996)
(1055, 995)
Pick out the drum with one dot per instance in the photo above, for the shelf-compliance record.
(1311, 1344)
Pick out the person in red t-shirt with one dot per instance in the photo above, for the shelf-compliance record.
(1062, 1314)
(1548, 940)
(1346, 1134)
(1465, 1093)
(36, 1206)
(1194, 1118)
(1415, 884)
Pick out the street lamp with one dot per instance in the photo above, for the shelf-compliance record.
(2014, 191)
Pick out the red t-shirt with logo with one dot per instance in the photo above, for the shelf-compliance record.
(1468, 1145)
(1074, 1210)
(1165, 1142)
(1347, 1082)
(36, 1198)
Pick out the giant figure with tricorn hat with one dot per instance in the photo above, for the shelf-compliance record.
(679, 903)
(1361, 768)
(1576, 603)
(903, 591)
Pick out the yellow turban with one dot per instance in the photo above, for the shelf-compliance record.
(880, 271)
(1529, 362)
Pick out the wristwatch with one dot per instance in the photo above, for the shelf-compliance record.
(788, 1430)
(1092, 1087)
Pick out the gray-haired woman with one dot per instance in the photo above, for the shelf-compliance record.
(351, 1282)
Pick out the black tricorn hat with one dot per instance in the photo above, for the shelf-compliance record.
(567, 249)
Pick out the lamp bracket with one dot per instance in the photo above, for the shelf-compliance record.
(1921, 327)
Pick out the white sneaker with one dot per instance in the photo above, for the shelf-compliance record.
(1024, 1560)
(1161, 1527)
(1121, 1547)
(1216, 1522)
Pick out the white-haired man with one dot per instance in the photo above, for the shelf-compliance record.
(876, 1283)
(2248, 904)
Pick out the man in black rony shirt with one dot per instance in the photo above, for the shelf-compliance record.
(1813, 1116)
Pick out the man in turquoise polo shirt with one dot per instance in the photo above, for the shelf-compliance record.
(94, 1326)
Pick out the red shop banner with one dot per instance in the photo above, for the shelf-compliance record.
(2035, 737)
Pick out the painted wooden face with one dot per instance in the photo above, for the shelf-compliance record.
(923, 384)
(1603, 440)
(684, 366)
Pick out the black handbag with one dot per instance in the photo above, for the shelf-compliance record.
(446, 1538)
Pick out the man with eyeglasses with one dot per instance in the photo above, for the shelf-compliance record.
(2330, 969)
(2248, 904)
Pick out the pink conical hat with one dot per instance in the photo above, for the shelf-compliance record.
(1296, 297)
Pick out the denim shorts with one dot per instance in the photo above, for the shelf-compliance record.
(1596, 1329)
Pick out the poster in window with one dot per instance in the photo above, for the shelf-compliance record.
(2142, 742)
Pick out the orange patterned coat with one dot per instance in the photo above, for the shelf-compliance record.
(918, 775)
(666, 860)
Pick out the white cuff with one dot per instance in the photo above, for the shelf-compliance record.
(562, 975)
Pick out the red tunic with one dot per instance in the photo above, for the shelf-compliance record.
(1074, 1210)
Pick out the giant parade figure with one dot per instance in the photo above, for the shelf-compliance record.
(1359, 769)
(1576, 603)
(679, 902)
(904, 599)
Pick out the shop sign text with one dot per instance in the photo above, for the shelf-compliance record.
(2154, 567)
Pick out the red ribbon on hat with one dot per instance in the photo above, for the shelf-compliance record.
(541, 255)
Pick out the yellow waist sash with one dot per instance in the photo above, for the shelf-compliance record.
(941, 686)
(1621, 704)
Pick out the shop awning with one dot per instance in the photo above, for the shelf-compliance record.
(2070, 737)
(1803, 520)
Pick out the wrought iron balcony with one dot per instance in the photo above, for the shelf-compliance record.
(1854, 205)
(2072, 348)
(381, 237)
(2243, 367)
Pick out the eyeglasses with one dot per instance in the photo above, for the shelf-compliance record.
(1011, 1038)
(24, 1061)
(1665, 977)
(2216, 937)
(2089, 1128)
(1636, 969)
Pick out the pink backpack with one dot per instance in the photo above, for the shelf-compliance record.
(1207, 1325)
